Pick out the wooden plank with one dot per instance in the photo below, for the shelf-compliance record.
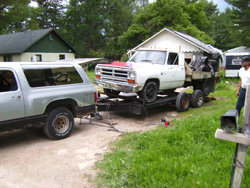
(242, 149)
(232, 137)
(239, 169)
(201, 75)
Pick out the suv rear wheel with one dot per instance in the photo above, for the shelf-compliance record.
(59, 124)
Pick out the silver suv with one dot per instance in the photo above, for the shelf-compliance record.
(50, 94)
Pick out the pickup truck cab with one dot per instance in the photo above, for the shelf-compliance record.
(147, 72)
(47, 94)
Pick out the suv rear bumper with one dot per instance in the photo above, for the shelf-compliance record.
(129, 88)
(86, 110)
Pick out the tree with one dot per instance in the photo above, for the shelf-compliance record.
(51, 14)
(33, 22)
(95, 25)
(84, 24)
(227, 34)
(172, 14)
(119, 18)
(198, 16)
(212, 13)
(13, 15)
(241, 17)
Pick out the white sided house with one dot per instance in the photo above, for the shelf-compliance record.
(37, 45)
(233, 58)
(180, 42)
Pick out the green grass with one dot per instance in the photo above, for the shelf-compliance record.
(186, 155)
(91, 74)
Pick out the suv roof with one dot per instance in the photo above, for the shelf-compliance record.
(62, 62)
(6, 64)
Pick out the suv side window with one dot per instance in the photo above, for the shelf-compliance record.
(7, 81)
(45, 76)
(173, 59)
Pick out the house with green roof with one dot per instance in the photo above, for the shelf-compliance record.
(36, 45)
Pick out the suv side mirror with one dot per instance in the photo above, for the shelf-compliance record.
(229, 120)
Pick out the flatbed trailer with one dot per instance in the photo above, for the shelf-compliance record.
(130, 102)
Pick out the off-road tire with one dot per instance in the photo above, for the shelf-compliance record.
(149, 92)
(182, 102)
(59, 123)
(197, 99)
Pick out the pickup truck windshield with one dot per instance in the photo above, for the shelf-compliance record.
(155, 57)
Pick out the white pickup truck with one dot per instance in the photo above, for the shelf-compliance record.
(149, 71)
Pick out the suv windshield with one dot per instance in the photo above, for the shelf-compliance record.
(155, 57)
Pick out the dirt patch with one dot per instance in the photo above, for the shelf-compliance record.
(30, 159)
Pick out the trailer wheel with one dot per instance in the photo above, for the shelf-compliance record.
(149, 92)
(111, 93)
(197, 99)
(182, 102)
(59, 124)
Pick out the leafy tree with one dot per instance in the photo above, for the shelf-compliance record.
(13, 15)
(94, 25)
(227, 34)
(172, 14)
(33, 22)
(119, 18)
(197, 15)
(52, 11)
(212, 13)
(241, 16)
(84, 23)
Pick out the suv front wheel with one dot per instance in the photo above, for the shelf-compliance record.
(59, 124)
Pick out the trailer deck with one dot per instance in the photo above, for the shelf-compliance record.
(130, 102)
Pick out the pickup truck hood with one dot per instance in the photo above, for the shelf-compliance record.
(139, 65)
(133, 65)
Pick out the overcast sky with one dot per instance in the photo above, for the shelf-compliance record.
(222, 5)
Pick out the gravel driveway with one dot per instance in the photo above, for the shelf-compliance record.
(28, 159)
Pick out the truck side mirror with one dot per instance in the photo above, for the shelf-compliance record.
(229, 120)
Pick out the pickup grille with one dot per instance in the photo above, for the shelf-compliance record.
(114, 75)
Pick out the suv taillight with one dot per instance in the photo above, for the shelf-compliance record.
(95, 97)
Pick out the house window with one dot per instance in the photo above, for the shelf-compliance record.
(38, 58)
(61, 56)
(236, 62)
(7, 58)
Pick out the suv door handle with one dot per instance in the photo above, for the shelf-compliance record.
(16, 97)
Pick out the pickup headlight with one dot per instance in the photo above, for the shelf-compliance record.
(131, 75)
(98, 71)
